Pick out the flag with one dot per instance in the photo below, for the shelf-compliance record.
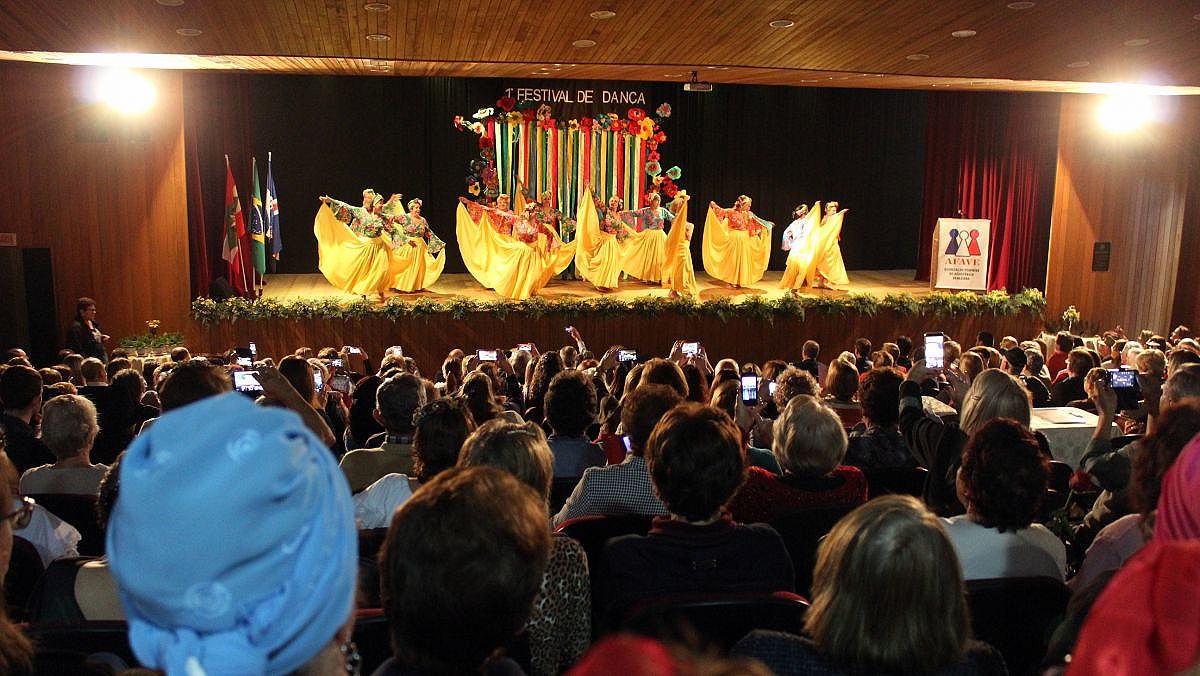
(258, 242)
(272, 217)
(235, 230)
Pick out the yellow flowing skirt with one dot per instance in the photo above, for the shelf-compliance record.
(414, 268)
(509, 266)
(644, 253)
(734, 256)
(598, 255)
(678, 273)
(820, 253)
(358, 265)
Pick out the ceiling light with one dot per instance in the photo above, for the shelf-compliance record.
(917, 57)
(169, 3)
(1137, 42)
(124, 90)
(379, 37)
(1020, 5)
(602, 14)
(1125, 111)
(782, 23)
(1079, 64)
(189, 32)
(584, 43)
(377, 7)
(968, 33)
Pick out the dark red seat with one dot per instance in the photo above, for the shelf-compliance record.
(24, 570)
(802, 532)
(1017, 616)
(895, 480)
(593, 532)
(716, 620)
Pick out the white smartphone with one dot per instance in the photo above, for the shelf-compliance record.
(935, 354)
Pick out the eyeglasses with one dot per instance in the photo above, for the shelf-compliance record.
(20, 518)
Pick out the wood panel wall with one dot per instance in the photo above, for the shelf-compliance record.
(429, 339)
(1131, 190)
(104, 192)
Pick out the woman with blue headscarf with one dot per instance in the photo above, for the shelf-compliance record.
(233, 544)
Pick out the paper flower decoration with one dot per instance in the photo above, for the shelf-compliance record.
(487, 154)
(660, 137)
(506, 103)
(546, 123)
(474, 188)
(652, 144)
(613, 117)
(529, 114)
(488, 174)
(653, 168)
(561, 123)
(515, 117)
(652, 156)
(476, 127)
(586, 123)
(543, 112)
(670, 190)
(645, 128)
(637, 114)
(674, 173)
(483, 113)
(657, 180)
(460, 123)
(573, 125)
(486, 142)
(663, 111)
(492, 192)
(603, 122)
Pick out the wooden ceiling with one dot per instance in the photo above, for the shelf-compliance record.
(1054, 45)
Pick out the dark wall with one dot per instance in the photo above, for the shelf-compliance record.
(780, 145)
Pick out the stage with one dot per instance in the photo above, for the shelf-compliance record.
(871, 282)
(749, 324)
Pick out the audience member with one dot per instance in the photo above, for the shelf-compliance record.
(727, 397)
(1013, 363)
(876, 442)
(862, 354)
(68, 429)
(396, 400)
(888, 598)
(463, 561)
(570, 406)
(16, 651)
(479, 396)
(842, 386)
(811, 350)
(1070, 387)
(274, 599)
(695, 460)
(83, 335)
(21, 394)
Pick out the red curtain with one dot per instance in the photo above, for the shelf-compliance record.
(216, 114)
(992, 155)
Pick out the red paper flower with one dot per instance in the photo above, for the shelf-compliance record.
(586, 123)
(506, 103)
(664, 111)
(529, 114)
(659, 137)
(652, 144)
(669, 190)
(637, 114)
(486, 141)
(652, 156)
(460, 123)
(547, 123)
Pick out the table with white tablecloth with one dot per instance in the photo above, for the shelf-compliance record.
(1067, 429)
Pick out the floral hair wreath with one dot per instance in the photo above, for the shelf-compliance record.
(416, 201)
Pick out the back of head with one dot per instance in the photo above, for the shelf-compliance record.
(397, 399)
(190, 382)
(1151, 361)
(520, 449)
(1166, 473)
(971, 365)
(19, 386)
(695, 460)
(233, 544)
(725, 397)
(697, 383)
(994, 394)
(461, 565)
(480, 398)
(130, 384)
(1179, 358)
(1079, 362)
(92, 370)
(570, 405)
(1064, 341)
(642, 409)
(1002, 479)
(809, 438)
(904, 345)
(1184, 383)
(880, 396)
(811, 349)
(1016, 360)
(299, 373)
(794, 382)
(69, 425)
(986, 339)
(442, 427)
(114, 365)
(888, 593)
(862, 348)
(660, 371)
(547, 366)
(842, 380)
(569, 355)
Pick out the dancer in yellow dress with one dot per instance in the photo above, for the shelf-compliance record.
(678, 273)
(798, 243)
(358, 264)
(643, 255)
(737, 244)
(816, 257)
(418, 256)
(516, 266)
(602, 238)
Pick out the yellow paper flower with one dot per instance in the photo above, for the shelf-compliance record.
(646, 128)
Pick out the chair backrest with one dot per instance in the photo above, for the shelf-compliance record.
(1017, 617)
(372, 638)
(593, 532)
(85, 638)
(24, 570)
(369, 542)
(802, 532)
(717, 620)
(79, 511)
(560, 490)
(896, 480)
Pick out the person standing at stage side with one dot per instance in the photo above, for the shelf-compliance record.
(417, 260)
(358, 264)
(643, 257)
(797, 241)
(602, 238)
(84, 335)
(679, 275)
(737, 244)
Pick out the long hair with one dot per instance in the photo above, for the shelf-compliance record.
(16, 652)
(888, 594)
(994, 394)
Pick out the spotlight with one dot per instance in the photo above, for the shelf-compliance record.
(125, 90)
(1125, 111)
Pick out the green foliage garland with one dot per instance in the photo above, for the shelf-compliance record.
(939, 303)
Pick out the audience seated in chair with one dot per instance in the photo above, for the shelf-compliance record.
(397, 399)
(462, 563)
(624, 488)
(695, 460)
(876, 442)
(887, 598)
(21, 394)
(810, 444)
(68, 429)
(560, 627)
(570, 407)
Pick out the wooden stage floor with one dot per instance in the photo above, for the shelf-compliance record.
(873, 282)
